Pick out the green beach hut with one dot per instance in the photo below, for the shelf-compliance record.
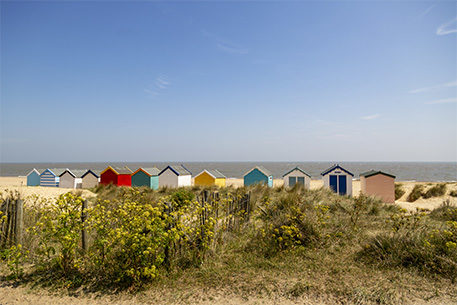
(146, 177)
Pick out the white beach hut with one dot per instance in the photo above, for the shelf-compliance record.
(175, 176)
(297, 176)
(71, 178)
(338, 179)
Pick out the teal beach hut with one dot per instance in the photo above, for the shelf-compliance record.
(33, 178)
(258, 175)
(146, 177)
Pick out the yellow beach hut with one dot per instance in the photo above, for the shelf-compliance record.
(210, 177)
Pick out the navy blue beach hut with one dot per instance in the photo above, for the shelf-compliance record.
(33, 178)
(258, 175)
(50, 176)
(338, 179)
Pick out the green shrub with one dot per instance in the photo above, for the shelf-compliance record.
(416, 193)
(453, 193)
(435, 191)
(445, 212)
(413, 245)
(59, 231)
(399, 191)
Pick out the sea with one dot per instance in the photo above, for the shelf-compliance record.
(404, 171)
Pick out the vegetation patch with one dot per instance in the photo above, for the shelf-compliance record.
(435, 191)
(416, 193)
(399, 191)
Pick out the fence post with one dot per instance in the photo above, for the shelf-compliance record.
(19, 221)
(83, 220)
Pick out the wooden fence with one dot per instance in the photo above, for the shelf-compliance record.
(11, 222)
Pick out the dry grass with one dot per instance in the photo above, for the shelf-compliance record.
(239, 268)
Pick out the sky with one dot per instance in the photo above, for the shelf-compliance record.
(228, 81)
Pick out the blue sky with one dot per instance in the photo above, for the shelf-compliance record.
(228, 81)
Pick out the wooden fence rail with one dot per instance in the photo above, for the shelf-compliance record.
(11, 222)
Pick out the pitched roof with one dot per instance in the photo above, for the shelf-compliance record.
(336, 166)
(373, 172)
(179, 170)
(95, 173)
(213, 172)
(151, 171)
(76, 173)
(262, 169)
(56, 171)
(119, 170)
(296, 168)
(38, 171)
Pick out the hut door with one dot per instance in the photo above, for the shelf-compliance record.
(334, 183)
(342, 185)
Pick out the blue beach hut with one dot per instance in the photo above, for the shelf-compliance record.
(33, 178)
(258, 175)
(50, 177)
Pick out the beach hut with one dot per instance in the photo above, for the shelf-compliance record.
(117, 176)
(297, 176)
(71, 178)
(33, 178)
(210, 177)
(50, 177)
(90, 179)
(258, 175)
(175, 176)
(378, 184)
(338, 179)
(146, 177)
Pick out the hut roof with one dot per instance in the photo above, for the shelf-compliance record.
(336, 166)
(151, 171)
(179, 170)
(296, 168)
(56, 171)
(373, 173)
(262, 169)
(214, 173)
(38, 171)
(95, 173)
(76, 173)
(119, 170)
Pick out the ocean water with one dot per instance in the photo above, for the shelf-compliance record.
(404, 171)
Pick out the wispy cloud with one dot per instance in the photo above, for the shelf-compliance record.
(231, 48)
(424, 13)
(225, 45)
(426, 89)
(371, 117)
(443, 101)
(160, 83)
(447, 28)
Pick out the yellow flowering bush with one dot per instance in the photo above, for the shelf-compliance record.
(59, 231)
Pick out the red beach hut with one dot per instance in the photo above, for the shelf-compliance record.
(116, 176)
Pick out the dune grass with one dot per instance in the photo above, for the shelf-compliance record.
(282, 243)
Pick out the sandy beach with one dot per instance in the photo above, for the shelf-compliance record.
(19, 184)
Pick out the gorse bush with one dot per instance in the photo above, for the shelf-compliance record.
(58, 233)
